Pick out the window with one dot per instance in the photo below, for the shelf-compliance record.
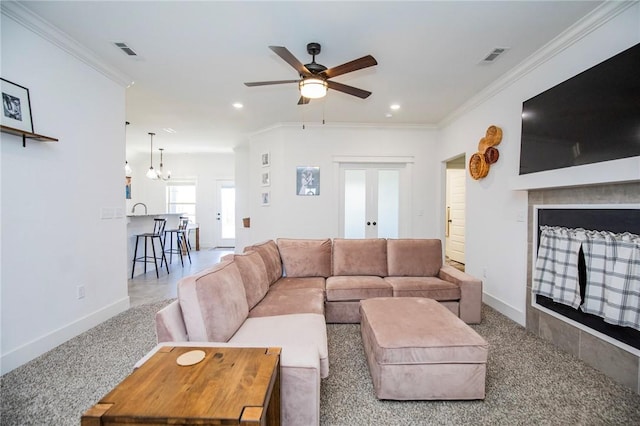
(181, 198)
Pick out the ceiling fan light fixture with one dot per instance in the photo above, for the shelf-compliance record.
(313, 88)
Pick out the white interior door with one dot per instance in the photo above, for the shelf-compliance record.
(371, 200)
(455, 214)
(226, 214)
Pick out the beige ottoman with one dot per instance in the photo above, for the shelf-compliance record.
(417, 349)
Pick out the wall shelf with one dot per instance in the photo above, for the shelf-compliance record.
(26, 135)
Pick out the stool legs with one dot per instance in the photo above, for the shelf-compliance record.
(185, 243)
(135, 253)
(146, 258)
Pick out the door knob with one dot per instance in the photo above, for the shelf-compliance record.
(374, 224)
(368, 223)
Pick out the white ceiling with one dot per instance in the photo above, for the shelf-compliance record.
(195, 56)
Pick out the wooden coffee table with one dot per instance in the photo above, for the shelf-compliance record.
(230, 386)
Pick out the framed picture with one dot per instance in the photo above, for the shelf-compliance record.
(265, 159)
(265, 198)
(308, 180)
(127, 187)
(16, 106)
(265, 179)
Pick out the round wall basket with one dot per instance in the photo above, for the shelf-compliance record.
(487, 154)
(478, 166)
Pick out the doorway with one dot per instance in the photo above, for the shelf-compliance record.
(226, 214)
(371, 200)
(455, 190)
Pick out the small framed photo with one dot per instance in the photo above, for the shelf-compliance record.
(127, 187)
(265, 178)
(265, 159)
(16, 106)
(265, 198)
(308, 180)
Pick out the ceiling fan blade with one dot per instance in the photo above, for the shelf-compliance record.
(288, 57)
(356, 64)
(266, 83)
(303, 100)
(348, 89)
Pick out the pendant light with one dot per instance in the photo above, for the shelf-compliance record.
(151, 173)
(161, 171)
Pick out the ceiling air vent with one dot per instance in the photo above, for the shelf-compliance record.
(124, 48)
(494, 54)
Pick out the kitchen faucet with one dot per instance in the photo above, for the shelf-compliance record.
(136, 204)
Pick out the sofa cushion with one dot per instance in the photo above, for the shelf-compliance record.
(305, 258)
(289, 283)
(360, 257)
(287, 331)
(213, 303)
(414, 257)
(431, 287)
(283, 302)
(268, 250)
(357, 288)
(254, 276)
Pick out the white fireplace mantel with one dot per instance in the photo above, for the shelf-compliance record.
(614, 171)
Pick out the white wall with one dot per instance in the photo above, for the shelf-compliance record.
(53, 196)
(496, 215)
(290, 215)
(206, 169)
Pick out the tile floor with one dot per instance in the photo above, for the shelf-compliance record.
(146, 288)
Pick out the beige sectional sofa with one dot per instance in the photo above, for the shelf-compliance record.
(281, 293)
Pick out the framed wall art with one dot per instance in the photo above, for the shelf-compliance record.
(265, 198)
(265, 159)
(16, 106)
(265, 178)
(308, 180)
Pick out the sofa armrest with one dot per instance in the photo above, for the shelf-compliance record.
(470, 293)
(170, 326)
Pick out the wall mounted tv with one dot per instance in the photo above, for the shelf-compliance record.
(592, 117)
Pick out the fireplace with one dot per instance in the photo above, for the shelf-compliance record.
(558, 220)
(619, 361)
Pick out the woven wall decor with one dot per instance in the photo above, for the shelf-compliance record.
(480, 162)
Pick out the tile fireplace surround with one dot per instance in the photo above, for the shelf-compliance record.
(620, 365)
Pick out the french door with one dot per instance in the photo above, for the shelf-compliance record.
(372, 200)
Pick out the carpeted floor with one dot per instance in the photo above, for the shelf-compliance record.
(528, 381)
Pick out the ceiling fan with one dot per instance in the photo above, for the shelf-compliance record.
(314, 78)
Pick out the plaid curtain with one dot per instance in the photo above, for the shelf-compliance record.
(612, 267)
(613, 277)
(556, 271)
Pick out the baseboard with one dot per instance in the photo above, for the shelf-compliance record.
(39, 346)
(505, 309)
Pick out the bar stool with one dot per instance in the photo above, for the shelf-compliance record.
(188, 231)
(158, 232)
(182, 242)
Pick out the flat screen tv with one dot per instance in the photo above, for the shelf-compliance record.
(592, 117)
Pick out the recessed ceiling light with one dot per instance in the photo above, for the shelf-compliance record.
(395, 107)
(169, 130)
(388, 115)
(237, 105)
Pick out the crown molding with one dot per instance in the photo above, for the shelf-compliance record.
(341, 125)
(585, 26)
(21, 14)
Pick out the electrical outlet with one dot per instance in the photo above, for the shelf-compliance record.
(80, 290)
